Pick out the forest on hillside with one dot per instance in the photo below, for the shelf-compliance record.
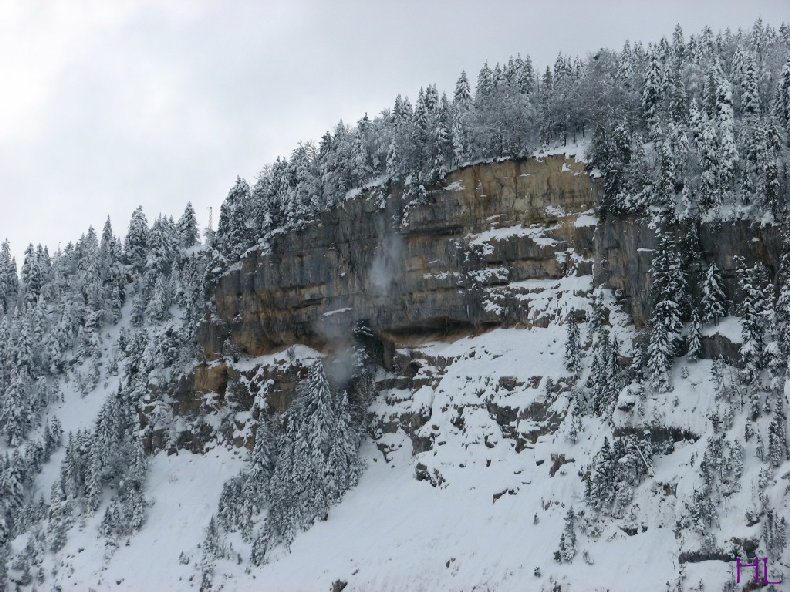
(696, 125)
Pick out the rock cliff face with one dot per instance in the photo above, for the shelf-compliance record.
(494, 246)
(455, 261)
(407, 270)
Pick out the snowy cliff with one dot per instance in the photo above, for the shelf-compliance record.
(424, 355)
(482, 440)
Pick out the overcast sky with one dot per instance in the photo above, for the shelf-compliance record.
(108, 105)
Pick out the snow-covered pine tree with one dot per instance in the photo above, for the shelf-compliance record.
(572, 345)
(774, 533)
(781, 307)
(767, 170)
(778, 446)
(110, 271)
(728, 152)
(443, 153)
(136, 243)
(262, 463)
(4, 555)
(462, 103)
(233, 233)
(781, 107)
(653, 92)
(660, 354)
(31, 276)
(668, 294)
(694, 345)
(9, 281)
(709, 147)
(713, 300)
(750, 95)
(126, 511)
(612, 152)
(703, 515)
(753, 308)
(211, 550)
(567, 548)
(603, 381)
(317, 460)
(188, 234)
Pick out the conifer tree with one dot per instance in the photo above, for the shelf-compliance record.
(767, 170)
(572, 345)
(713, 300)
(263, 462)
(660, 356)
(668, 292)
(567, 548)
(777, 435)
(233, 233)
(694, 336)
(781, 106)
(612, 154)
(774, 533)
(750, 98)
(9, 282)
(782, 302)
(728, 152)
(31, 276)
(4, 555)
(752, 308)
(136, 244)
(652, 94)
(187, 227)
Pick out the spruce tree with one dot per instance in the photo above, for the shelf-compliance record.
(750, 97)
(233, 235)
(778, 447)
(4, 556)
(9, 282)
(567, 548)
(694, 347)
(572, 345)
(728, 153)
(660, 353)
(136, 244)
(781, 106)
(709, 147)
(713, 300)
(753, 307)
(782, 302)
(263, 461)
(668, 293)
(652, 94)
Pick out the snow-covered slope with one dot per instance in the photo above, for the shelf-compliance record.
(474, 494)
(479, 446)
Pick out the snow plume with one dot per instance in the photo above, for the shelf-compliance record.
(386, 262)
(335, 330)
(339, 367)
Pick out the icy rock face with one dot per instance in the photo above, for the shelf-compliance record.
(414, 266)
